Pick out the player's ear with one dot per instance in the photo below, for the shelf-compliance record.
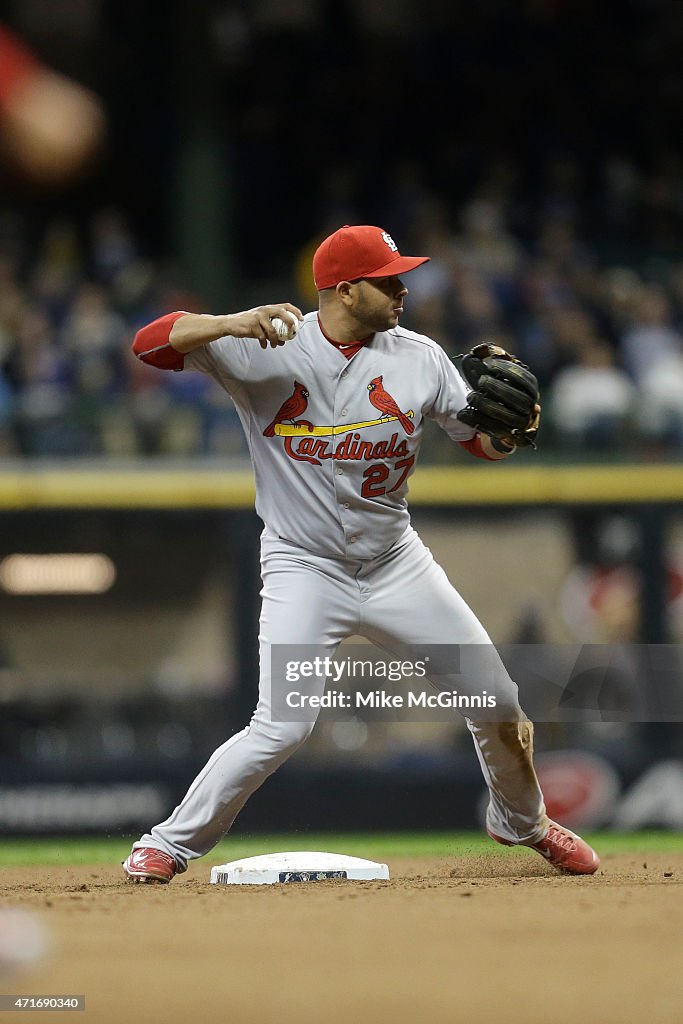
(345, 291)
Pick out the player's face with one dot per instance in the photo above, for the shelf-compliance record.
(379, 302)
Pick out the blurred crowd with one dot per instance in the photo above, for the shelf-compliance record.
(599, 318)
(603, 333)
(69, 384)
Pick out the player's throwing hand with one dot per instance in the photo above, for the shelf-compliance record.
(259, 323)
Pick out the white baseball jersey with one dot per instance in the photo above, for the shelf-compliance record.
(334, 441)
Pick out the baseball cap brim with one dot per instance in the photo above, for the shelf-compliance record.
(399, 265)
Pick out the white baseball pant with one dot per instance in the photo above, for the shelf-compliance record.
(400, 598)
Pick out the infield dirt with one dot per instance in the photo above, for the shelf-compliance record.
(477, 939)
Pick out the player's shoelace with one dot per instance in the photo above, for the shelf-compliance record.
(561, 838)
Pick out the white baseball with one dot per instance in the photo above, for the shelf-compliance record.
(286, 331)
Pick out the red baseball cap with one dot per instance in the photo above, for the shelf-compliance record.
(359, 250)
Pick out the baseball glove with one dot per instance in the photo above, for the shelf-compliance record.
(504, 400)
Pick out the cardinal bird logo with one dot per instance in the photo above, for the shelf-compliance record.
(382, 400)
(291, 409)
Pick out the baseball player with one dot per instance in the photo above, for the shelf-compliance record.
(333, 416)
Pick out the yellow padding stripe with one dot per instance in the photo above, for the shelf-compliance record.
(431, 485)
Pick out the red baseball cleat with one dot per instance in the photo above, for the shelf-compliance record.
(149, 865)
(563, 849)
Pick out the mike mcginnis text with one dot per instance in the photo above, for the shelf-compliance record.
(385, 699)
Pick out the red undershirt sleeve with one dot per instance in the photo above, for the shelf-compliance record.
(473, 446)
(151, 344)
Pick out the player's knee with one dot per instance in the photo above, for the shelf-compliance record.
(283, 737)
(296, 734)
